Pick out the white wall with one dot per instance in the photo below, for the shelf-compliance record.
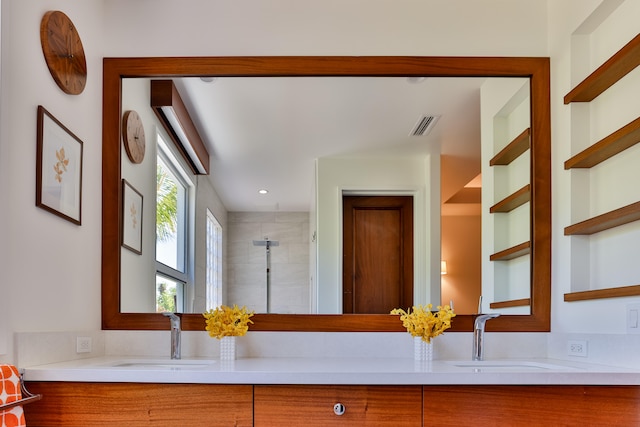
(333, 27)
(376, 175)
(575, 52)
(50, 267)
(138, 270)
(505, 113)
(4, 327)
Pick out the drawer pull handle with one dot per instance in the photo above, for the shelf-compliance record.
(339, 409)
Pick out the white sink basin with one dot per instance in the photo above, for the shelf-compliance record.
(509, 366)
(175, 364)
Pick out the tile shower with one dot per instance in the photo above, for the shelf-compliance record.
(247, 263)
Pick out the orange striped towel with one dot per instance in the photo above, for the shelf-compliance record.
(10, 392)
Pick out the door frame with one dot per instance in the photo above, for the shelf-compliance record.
(401, 204)
(420, 239)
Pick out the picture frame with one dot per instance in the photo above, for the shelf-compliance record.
(131, 218)
(58, 168)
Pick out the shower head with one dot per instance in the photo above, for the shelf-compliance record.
(266, 242)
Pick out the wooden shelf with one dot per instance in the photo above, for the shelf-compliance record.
(513, 201)
(620, 140)
(622, 291)
(512, 253)
(513, 150)
(512, 303)
(615, 68)
(605, 221)
(605, 76)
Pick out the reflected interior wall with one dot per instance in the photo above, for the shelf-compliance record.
(461, 249)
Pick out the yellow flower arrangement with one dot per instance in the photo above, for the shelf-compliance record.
(422, 322)
(227, 321)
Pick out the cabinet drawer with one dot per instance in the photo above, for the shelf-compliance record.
(72, 404)
(532, 405)
(276, 405)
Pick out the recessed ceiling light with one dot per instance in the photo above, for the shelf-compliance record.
(263, 191)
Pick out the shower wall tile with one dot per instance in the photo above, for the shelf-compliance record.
(238, 252)
(289, 274)
(256, 217)
(298, 253)
(244, 231)
(283, 231)
(247, 263)
(247, 273)
(257, 254)
(301, 217)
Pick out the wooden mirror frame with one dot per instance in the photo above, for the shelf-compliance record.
(534, 68)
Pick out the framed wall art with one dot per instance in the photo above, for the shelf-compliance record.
(58, 168)
(131, 218)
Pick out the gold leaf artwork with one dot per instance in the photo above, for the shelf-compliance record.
(61, 165)
(134, 215)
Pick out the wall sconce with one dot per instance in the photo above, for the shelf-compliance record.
(443, 267)
(168, 106)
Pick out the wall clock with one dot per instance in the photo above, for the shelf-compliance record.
(63, 52)
(133, 136)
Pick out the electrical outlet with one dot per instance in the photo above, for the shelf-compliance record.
(83, 344)
(633, 318)
(577, 348)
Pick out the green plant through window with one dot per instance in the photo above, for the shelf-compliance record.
(166, 295)
(172, 225)
(166, 205)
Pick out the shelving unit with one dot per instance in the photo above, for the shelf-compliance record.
(621, 291)
(512, 201)
(512, 303)
(605, 76)
(615, 68)
(506, 295)
(512, 252)
(625, 137)
(513, 150)
(605, 221)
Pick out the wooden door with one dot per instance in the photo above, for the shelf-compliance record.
(377, 253)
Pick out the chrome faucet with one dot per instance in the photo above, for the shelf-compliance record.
(175, 334)
(478, 334)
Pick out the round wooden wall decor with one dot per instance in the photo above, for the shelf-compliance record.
(63, 52)
(133, 136)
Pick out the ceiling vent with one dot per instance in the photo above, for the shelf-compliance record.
(424, 125)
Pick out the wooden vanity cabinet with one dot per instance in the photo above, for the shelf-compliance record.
(532, 405)
(72, 404)
(81, 404)
(313, 405)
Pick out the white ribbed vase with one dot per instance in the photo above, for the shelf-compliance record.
(228, 348)
(422, 350)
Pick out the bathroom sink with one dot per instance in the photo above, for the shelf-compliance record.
(509, 366)
(164, 364)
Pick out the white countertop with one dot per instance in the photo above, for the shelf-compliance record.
(370, 371)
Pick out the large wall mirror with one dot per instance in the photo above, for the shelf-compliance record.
(513, 94)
